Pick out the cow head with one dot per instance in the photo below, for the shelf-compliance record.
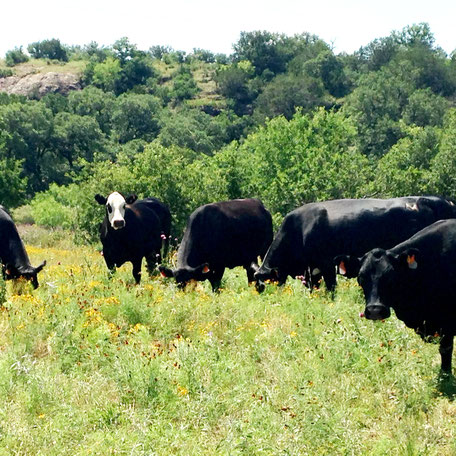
(264, 273)
(185, 274)
(347, 265)
(29, 273)
(115, 208)
(380, 273)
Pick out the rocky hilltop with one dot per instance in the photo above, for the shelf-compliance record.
(39, 84)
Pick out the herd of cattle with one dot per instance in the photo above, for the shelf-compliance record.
(402, 250)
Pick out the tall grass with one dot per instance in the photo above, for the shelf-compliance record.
(95, 366)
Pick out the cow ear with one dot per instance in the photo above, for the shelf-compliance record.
(6, 268)
(130, 199)
(166, 272)
(10, 270)
(100, 199)
(347, 265)
(409, 258)
(40, 267)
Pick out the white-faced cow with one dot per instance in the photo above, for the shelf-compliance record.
(416, 278)
(312, 235)
(13, 256)
(222, 235)
(132, 230)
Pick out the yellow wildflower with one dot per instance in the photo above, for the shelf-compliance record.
(182, 391)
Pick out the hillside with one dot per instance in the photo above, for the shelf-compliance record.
(37, 77)
(284, 119)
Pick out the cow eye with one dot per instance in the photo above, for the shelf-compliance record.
(109, 208)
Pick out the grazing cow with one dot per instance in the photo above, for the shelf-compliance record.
(312, 235)
(222, 235)
(13, 256)
(417, 279)
(133, 229)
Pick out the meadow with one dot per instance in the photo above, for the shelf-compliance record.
(92, 365)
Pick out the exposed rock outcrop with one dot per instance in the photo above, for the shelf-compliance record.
(38, 85)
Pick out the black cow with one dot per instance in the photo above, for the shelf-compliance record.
(312, 235)
(417, 279)
(133, 229)
(13, 256)
(222, 235)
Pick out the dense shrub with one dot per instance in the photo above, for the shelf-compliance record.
(16, 56)
(48, 49)
(6, 72)
(56, 207)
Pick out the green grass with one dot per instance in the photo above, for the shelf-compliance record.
(96, 366)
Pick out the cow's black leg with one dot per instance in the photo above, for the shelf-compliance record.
(165, 247)
(152, 260)
(250, 269)
(137, 270)
(281, 278)
(329, 274)
(446, 352)
(216, 278)
(315, 278)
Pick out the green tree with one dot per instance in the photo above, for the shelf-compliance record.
(26, 134)
(136, 116)
(15, 56)
(184, 85)
(124, 50)
(287, 92)
(106, 75)
(77, 137)
(136, 71)
(378, 53)
(443, 166)
(203, 55)
(233, 83)
(405, 169)
(309, 158)
(415, 35)
(95, 52)
(162, 172)
(425, 108)
(330, 70)
(93, 102)
(56, 102)
(376, 106)
(48, 49)
(270, 52)
(193, 129)
(12, 183)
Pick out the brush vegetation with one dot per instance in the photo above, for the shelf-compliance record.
(283, 118)
(91, 365)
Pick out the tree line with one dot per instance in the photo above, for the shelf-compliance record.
(283, 118)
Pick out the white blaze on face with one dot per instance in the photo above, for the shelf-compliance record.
(115, 206)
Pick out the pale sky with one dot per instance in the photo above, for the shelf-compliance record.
(215, 25)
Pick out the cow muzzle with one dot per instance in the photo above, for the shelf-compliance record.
(377, 312)
(117, 224)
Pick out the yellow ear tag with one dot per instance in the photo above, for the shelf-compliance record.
(412, 264)
(206, 269)
(342, 269)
